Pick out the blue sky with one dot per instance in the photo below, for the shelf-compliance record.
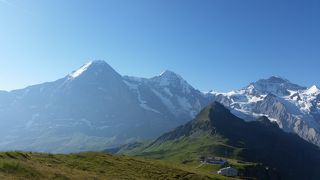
(213, 44)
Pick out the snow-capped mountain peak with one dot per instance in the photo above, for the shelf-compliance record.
(277, 79)
(295, 108)
(275, 85)
(94, 68)
(313, 90)
(170, 78)
(170, 75)
(79, 71)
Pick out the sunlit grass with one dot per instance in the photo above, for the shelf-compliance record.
(90, 165)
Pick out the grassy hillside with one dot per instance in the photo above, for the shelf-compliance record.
(259, 150)
(185, 152)
(21, 165)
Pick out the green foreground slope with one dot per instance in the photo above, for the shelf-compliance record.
(21, 165)
(259, 149)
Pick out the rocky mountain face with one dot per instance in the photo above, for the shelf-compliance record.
(95, 107)
(170, 91)
(295, 108)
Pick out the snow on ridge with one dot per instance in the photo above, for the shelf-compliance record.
(142, 102)
(168, 73)
(313, 90)
(168, 92)
(307, 98)
(135, 79)
(85, 67)
(166, 101)
(131, 85)
(300, 100)
(170, 78)
(82, 69)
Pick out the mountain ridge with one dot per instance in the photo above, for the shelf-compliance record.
(293, 107)
(89, 107)
(84, 112)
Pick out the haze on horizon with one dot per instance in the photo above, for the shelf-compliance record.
(213, 44)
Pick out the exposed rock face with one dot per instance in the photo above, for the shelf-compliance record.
(295, 108)
(93, 108)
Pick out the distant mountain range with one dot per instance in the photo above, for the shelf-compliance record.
(295, 108)
(95, 107)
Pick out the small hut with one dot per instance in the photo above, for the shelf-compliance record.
(228, 171)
